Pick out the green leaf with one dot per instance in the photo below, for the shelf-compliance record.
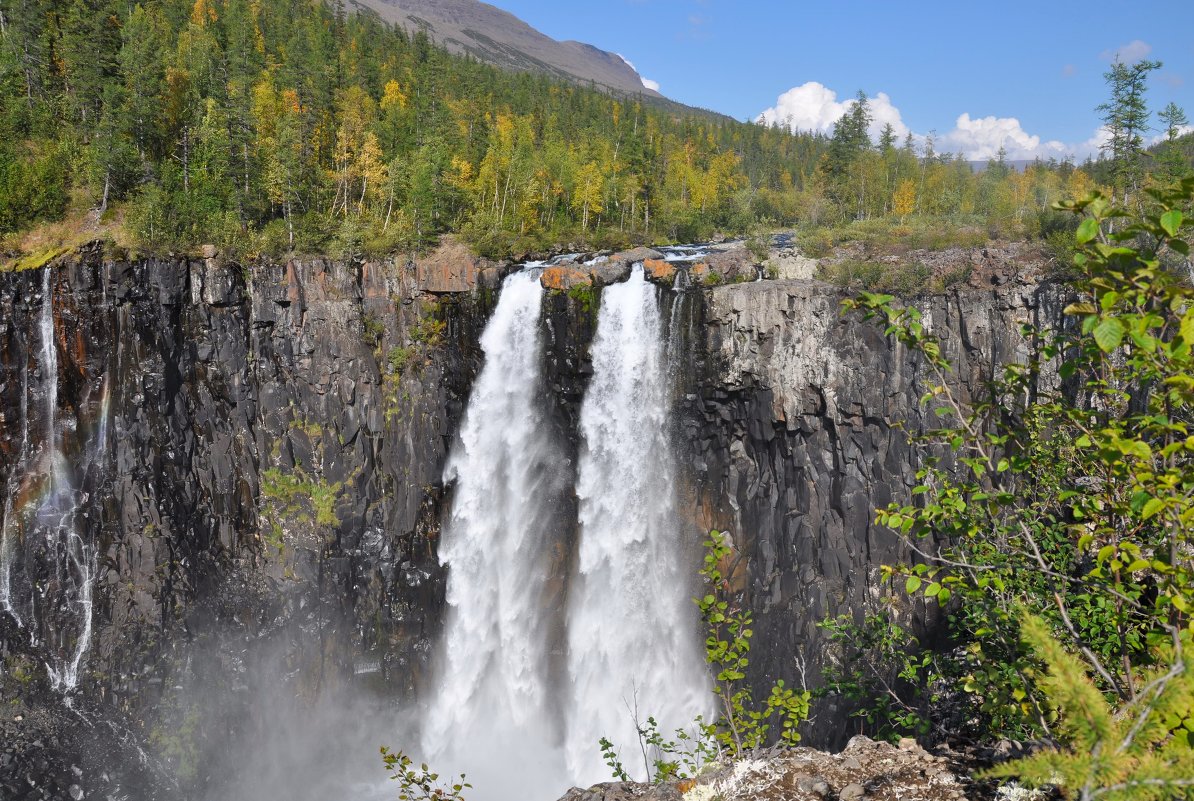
(1088, 230)
(1108, 334)
(912, 585)
(1151, 508)
(1171, 221)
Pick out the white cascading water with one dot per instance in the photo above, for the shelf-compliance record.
(632, 628)
(492, 715)
(40, 521)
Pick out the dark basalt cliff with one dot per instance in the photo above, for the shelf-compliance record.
(235, 400)
(798, 429)
(267, 510)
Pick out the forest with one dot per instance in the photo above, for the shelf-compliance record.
(241, 123)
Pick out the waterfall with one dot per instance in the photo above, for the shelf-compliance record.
(41, 530)
(9, 533)
(519, 721)
(491, 714)
(632, 644)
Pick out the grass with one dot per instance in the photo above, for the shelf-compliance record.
(888, 235)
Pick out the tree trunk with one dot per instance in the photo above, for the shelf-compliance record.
(107, 182)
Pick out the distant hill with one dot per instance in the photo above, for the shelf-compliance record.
(497, 37)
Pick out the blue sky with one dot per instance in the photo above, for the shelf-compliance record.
(1027, 75)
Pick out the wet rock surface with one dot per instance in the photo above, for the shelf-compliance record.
(63, 749)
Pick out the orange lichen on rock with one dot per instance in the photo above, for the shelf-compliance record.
(659, 270)
(564, 278)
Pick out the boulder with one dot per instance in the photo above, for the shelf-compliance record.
(610, 272)
(450, 268)
(789, 264)
(660, 271)
(564, 277)
(636, 254)
(733, 263)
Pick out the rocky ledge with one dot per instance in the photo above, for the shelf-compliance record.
(865, 769)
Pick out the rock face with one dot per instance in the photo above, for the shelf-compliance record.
(792, 427)
(865, 769)
(269, 510)
(272, 494)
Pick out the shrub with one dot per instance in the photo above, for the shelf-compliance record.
(1062, 534)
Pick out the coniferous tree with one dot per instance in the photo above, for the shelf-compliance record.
(1173, 123)
(1125, 118)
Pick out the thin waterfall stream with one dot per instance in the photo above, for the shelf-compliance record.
(41, 531)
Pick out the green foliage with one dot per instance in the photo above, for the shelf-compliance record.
(1139, 749)
(1054, 519)
(609, 753)
(264, 131)
(741, 725)
(758, 244)
(176, 739)
(33, 184)
(713, 278)
(397, 359)
(431, 326)
(373, 329)
(1125, 119)
(298, 498)
(585, 296)
(685, 755)
(884, 670)
(420, 784)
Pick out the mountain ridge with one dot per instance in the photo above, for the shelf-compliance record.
(495, 36)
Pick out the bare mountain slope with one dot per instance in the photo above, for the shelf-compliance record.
(497, 37)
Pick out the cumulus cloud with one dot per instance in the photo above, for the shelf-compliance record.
(647, 82)
(1129, 53)
(980, 138)
(814, 107)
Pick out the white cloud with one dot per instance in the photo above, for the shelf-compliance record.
(1129, 53)
(1182, 130)
(1094, 144)
(647, 82)
(980, 138)
(814, 107)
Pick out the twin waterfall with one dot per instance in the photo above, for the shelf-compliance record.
(549, 647)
